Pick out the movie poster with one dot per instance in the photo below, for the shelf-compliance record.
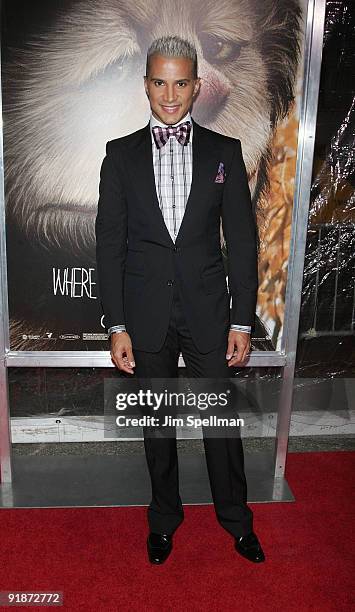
(72, 79)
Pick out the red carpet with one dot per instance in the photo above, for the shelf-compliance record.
(87, 553)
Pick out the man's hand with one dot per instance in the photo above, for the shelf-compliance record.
(238, 347)
(121, 352)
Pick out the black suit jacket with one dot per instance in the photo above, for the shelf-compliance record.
(138, 262)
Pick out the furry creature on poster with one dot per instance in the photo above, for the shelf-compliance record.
(77, 82)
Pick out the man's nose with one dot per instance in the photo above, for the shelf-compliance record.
(170, 93)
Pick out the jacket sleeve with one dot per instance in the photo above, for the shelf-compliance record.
(240, 232)
(111, 238)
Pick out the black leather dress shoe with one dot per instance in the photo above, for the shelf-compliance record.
(249, 547)
(159, 547)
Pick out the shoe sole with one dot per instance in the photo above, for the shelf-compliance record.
(248, 558)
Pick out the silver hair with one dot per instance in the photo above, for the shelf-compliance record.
(173, 46)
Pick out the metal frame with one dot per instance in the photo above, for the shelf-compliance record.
(306, 138)
(285, 358)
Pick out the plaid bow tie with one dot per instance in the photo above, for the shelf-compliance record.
(181, 132)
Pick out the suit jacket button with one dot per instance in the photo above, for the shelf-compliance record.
(170, 283)
(176, 249)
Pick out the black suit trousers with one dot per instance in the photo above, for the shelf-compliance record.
(224, 455)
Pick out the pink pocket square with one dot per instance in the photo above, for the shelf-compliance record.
(221, 174)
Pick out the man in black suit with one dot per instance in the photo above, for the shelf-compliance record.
(163, 190)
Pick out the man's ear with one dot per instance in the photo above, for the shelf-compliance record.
(197, 87)
(145, 85)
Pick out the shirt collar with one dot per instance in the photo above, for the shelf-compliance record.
(153, 121)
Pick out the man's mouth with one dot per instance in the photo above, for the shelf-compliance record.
(170, 109)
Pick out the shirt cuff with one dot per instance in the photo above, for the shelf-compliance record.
(242, 328)
(116, 328)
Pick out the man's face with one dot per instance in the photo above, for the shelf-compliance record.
(171, 87)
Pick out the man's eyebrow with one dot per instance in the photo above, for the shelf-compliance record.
(176, 81)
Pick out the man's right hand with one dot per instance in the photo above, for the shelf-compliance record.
(121, 352)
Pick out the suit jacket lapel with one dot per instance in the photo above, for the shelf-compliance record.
(199, 155)
(205, 153)
(145, 176)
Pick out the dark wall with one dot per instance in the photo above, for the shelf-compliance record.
(326, 344)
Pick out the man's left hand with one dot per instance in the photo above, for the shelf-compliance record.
(238, 348)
